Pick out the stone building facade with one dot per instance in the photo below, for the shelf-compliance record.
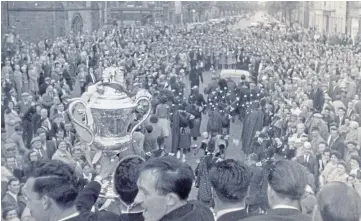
(39, 20)
(354, 19)
(328, 16)
(35, 21)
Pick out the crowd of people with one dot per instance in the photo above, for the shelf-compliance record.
(300, 109)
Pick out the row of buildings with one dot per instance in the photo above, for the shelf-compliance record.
(39, 20)
(330, 16)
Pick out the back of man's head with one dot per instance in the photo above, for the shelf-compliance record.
(57, 181)
(230, 179)
(125, 178)
(173, 176)
(287, 179)
(337, 201)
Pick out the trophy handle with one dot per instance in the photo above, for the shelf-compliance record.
(145, 116)
(84, 132)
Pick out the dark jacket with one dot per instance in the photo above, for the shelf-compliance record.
(280, 215)
(233, 216)
(311, 165)
(193, 210)
(339, 145)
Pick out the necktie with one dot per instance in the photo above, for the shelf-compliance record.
(40, 153)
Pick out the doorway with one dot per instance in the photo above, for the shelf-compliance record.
(77, 24)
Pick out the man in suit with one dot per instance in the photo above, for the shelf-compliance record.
(11, 196)
(287, 182)
(334, 90)
(47, 145)
(341, 116)
(67, 76)
(44, 86)
(89, 79)
(318, 97)
(308, 159)
(230, 180)
(316, 138)
(337, 201)
(335, 142)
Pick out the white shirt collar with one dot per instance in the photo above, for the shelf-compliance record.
(285, 207)
(225, 211)
(70, 216)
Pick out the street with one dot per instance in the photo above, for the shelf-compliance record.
(233, 151)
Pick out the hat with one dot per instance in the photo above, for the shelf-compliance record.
(35, 139)
(25, 94)
(352, 142)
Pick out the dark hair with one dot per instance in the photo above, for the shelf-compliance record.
(149, 128)
(125, 178)
(12, 179)
(344, 165)
(230, 179)
(336, 154)
(356, 158)
(315, 128)
(288, 179)
(327, 150)
(57, 180)
(338, 202)
(173, 176)
(18, 128)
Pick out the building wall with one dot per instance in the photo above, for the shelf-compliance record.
(336, 13)
(354, 21)
(35, 21)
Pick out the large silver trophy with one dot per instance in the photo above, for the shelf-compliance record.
(103, 118)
